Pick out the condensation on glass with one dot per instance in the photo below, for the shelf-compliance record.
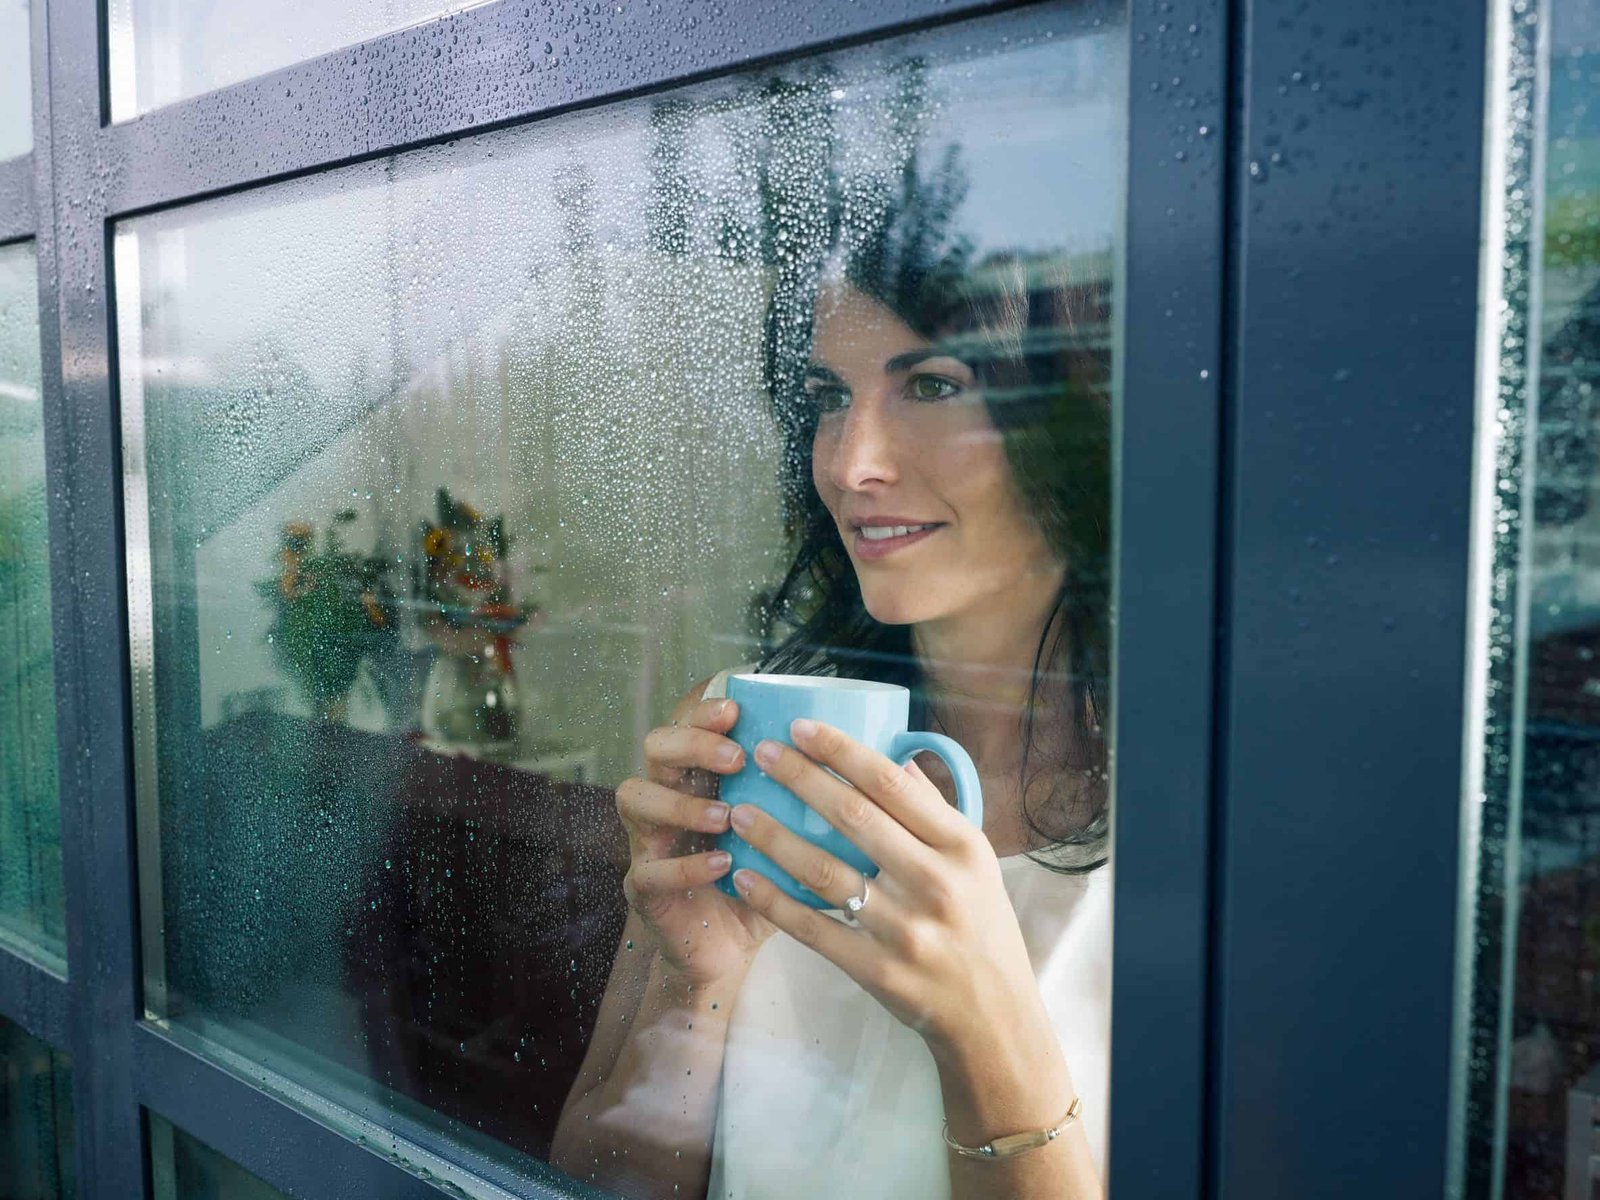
(163, 51)
(16, 80)
(1527, 1118)
(32, 912)
(184, 1168)
(447, 475)
(36, 1132)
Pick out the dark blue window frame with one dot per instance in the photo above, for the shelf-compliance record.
(1295, 458)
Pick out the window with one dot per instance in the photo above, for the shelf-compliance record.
(1531, 1076)
(426, 403)
(162, 52)
(35, 1119)
(16, 97)
(31, 909)
(459, 468)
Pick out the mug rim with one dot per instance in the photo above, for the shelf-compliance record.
(833, 683)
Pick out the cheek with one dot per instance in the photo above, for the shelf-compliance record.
(822, 447)
(970, 463)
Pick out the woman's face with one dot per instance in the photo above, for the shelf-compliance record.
(913, 471)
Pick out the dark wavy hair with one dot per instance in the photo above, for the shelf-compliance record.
(1035, 339)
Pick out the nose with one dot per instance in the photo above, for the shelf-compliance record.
(864, 452)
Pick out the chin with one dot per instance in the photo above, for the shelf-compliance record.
(896, 606)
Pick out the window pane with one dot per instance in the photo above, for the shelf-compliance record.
(1531, 1115)
(31, 908)
(163, 51)
(458, 470)
(36, 1154)
(184, 1168)
(16, 80)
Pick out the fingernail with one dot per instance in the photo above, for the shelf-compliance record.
(718, 860)
(722, 709)
(803, 727)
(744, 879)
(743, 817)
(728, 755)
(716, 815)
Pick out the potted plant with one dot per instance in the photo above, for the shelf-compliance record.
(331, 607)
(464, 601)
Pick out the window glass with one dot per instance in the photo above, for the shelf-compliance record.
(454, 477)
(184, 1168)
(162, 51)
(16, 80)
(1530, 1122)
(31, 907)
(36, 1140)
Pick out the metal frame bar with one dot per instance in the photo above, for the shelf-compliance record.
(1166, 595)
(1341, 694)
(359, 103)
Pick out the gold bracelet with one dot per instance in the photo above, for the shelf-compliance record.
(1016, 1143)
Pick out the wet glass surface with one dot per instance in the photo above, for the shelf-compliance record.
(184, 1168)
(163, 51)
(36, 1135)
(32, 911)
(449, 475)
(16, 80)
(1532, 1076)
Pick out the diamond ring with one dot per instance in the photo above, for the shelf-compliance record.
(856, 903)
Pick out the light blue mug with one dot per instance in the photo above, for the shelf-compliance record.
(875, 714)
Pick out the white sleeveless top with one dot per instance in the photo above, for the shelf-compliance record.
(824, 1093)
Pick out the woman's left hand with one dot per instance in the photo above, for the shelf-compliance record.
(937, 941)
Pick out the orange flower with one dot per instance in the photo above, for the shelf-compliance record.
(374, 613)
(436, 542)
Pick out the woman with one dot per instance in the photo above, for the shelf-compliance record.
(948, 446)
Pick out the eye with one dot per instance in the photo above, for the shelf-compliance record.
(829, 397)
(931, 387)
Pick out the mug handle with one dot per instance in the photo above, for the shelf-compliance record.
(969, 795)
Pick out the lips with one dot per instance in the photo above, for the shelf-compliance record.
(877, 537)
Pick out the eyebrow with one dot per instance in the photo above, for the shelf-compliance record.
(900, 362)
(904, 362)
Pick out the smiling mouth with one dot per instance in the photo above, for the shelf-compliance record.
(877, 541)
(882, 533)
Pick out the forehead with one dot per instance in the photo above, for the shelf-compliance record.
(852, 327)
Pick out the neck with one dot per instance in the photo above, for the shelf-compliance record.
(979, 667)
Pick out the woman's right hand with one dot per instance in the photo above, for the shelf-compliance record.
(672, 816)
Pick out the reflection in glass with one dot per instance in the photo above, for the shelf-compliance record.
(16, 80)
(163, 52)
(36, 1138)
(31, 906)
(184, 1168)
(448, 475)
(1532, 1054)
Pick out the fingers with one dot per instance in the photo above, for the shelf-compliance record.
(715, 715)
(697, 743)
(652, 886)
(851, 950)
(908, 798)
(652, 806)
(850, 810)
(810, 865)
